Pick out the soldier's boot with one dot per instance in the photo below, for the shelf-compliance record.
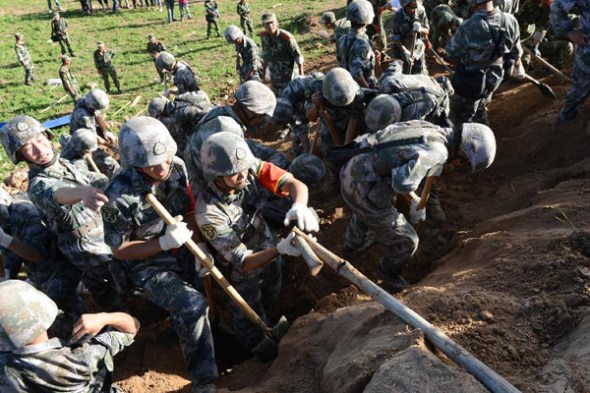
(435, 211)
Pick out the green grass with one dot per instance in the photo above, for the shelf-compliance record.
(126, 33)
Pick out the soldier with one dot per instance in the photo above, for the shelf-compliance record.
(23, 57)
(170, 10)
(69, 199)
(247, 249)
(154, 48)
(68, 80)
(482, 45)
(314, 173)
(429, 5)
(56, 3)
(243, 10)
(370, 183)
(103, 60)
(410, 29)
(151, 252)
(80, 147)
(59, 33)
(184, 76)
(280, 54)
(31, 362)
(248, 62)
(184, 8)
(340, 26)
(211, 16)
(375, 30)
(563, 26)
(444, 24)
(354, 48)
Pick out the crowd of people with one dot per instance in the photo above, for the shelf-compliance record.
(386, 129)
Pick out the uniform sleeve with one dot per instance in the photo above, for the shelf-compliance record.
(116, 217)
(361, 59)
(272, 178)
(41, 192)
(295, 51)
(114, 341)
(407, 178)
(560, 20)
(397, 34)
(31, 229)
(455, 48)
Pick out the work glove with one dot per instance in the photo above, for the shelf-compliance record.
(110, 137)
(286, 247)
(416, 215)
(307, 219)
(5, 239)
(536, 51)
(175, 236)
(518, 71)
(408, 57)
(200, 268)
(416, 27)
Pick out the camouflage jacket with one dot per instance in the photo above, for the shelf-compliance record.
(153, 48)
(299, 91)
(83, 117)
(402, 28)
(59, 28)
(211, 11)
(356, 55)
(184, 78)
(281, 52)
(183, 115)
(52, 366)
(243, 9)
(442, 17)
(250, 60)
(341, 28)
(560, 20)
(533, 16)
(103, 61)
(68, 80)
(22, 55)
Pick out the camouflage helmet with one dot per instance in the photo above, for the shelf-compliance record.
(145, 141)
(84, 140)
(339, 88)
(360, 12)
(256, 97)
(283, 112)
(328, 18)
(405, 3)
(310, 169)
(156, 106)
(213, 126)
(382, 111)
(17, 132)
(200, 99)
(25, 314)
(165, 61)
(97, 99)
(224, 154)
(478, 145)
(232, 33)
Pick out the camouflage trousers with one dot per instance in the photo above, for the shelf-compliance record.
(580, 89)
(212, 23)
(259, 291)
(61, 288)
(188, 310)
(29, 73)
(246, 24)
(299, 136)
(105, 78)
(64, 42)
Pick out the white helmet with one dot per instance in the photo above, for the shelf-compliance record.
(478, 145)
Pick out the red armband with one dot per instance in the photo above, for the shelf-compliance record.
(271, 177)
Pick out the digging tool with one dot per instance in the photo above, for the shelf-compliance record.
(326, 116)
(313, 261)
(545, 89)
(90, 161)
(438, 57)
(488, 377)
(59, 101)
(547, 65)
(267, 349)
(412, 53)
(426, 192)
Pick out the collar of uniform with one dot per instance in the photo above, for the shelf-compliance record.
(225, 196)
(53, 343)
(142, 185)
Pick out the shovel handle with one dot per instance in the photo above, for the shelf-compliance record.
(205, 260)
(326, 116)
(90, 161)
(426, 192)
(548, 65)
(313, 261)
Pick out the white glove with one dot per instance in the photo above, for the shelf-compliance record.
(416, 215)
(5, 239)
(202, 270)
(408, 57)
(518, 71)
(536, 51)
(416, 27)
(285, 246)
(306, 218)
(176, 235)
(110, 137)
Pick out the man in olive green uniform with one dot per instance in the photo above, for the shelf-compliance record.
(154, 47)
(68, 79)
(59, 33)
(243, 10)
(103, 60)
(23, 57)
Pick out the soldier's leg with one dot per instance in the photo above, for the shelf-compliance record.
(577, 93)
(181, 9)
(69, 45)
(358, 236)
(249, 25)
(62, 45)
(189, 318)
(209, 23)
(105, 78)
(170, 11)
(61, 288)
(99, 281)
(188, 11)
(113, 73)
(243, 25)
(217, 27)
(494, 78)
(28, 75)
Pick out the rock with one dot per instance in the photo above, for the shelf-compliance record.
(487, 316)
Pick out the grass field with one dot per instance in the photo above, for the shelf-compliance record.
(126, 33)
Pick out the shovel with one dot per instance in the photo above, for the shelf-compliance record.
(545, 89)
(267, 349)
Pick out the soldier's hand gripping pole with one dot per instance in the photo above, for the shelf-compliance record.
(548, 65)
(267, 348)
(326, 116)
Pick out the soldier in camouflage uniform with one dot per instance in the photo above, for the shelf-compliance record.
(243, 10)
(429, 5)
(59, 32)
(354, 52)
(370, 183)
(31, 362)
(444, 23)
(103, 61)
(184, 76)
(211, 16)
(23, 57)
(483, 45)
(375, 30)
(69, 199)
(280, 54)
(410, 30)
(228, 214)
(314, 173)
(248, 62)
(563, 26)
(68, 80)
(154, 48)
(341, 27)
(82, 143)
(150, 251)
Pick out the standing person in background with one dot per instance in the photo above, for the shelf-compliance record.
(103, 60)
(183, 6)
(23, 57)
(170, 10)
(59, 33)
(154, 47)
(68, 79)
(211, 16)
(243, 10)
(56, 3)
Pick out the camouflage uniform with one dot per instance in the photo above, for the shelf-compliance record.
(486, 42)
(184, 78)
(52, 366)
(429, 5)
(211, 16)
(165, 276)
(370, 182)
(563, 25)
(79, 230)
(376, 28)
(356, 55)
(250, 65)
(105, 163)
(154, 48)
(402, 33)
(281, 53)
(233, 226)
(341, 28)
(59, 30)
(23, 57)
(69, 82)
(243, 9)
(462, 8)
(104, 65)
(443, 23)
